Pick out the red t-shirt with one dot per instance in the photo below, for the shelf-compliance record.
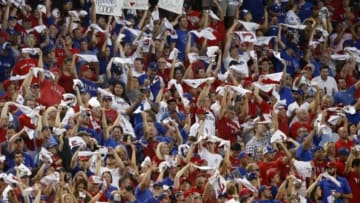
(354, 182)
(67, 83)
(264, 166)
(348, 144)
(111, 115)
(51, 93)
(227, 129)
(23, 66)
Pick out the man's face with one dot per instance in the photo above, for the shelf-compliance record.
(19, 158)
(331, 171)
(342, 84)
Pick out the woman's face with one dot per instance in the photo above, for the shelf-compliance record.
(353, 129)
(164, 149)
(107, 178)
(118, 90)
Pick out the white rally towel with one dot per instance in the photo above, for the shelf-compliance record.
(245, 182)
(299, 27)
(278, 135)
(193, 57)
(173, 52)
(304, 168)
(206, 33)
(94, 102)
(50, 179)
(23, 170)
(119, 60)
(76, 141)
(38, 29)
(249, 26)
(195, 83)
(30, 132)
(211, 51)
(247, 36)
(88, 57)
(264, 87)
(239, 89)
(45, 155)
(260, 41)
(240, 68)
(31, 51)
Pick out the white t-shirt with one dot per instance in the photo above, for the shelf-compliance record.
(291, 18)
(212, 159)
(329, 85)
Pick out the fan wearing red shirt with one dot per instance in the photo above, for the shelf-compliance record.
(227, 128)
(110, 113)
(50, 91)
(344, 140)
(353, 176)
(23, 66)
(302, 121)
(269, 161)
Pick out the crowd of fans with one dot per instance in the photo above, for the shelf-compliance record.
(229, 101)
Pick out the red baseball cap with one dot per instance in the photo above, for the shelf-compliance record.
(85, 68)
(201, 111)
(6, 84)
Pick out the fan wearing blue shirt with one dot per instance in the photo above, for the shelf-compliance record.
(142, 190)
(341, 190)
(345, 96)
(305, 10)
(292, 63)
(265, 195)
(181, 41)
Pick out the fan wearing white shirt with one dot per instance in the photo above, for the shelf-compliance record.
(291, 17)
(208, 153)
(325, 82)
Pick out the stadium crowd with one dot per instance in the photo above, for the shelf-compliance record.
(229, 101)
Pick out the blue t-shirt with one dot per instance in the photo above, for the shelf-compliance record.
(93, 133)
(181, 43)
(292, 64)
(305, 11)
(304, 154)
(286, 93)
(345, 97)
(143, 196)
(6, 65)
(327, 186)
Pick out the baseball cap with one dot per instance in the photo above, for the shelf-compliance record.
(251, 176)
(244, 12)
(331, 164)
(85, 68)
(242, 155)
(201, 111)
(263, 188)
(244, 192)
(153, 66)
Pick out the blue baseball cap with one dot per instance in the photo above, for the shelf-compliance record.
(153, 66)
(251, 176)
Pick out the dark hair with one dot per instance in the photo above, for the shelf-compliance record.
(324, 67)
(355, 163)
(140, 59)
